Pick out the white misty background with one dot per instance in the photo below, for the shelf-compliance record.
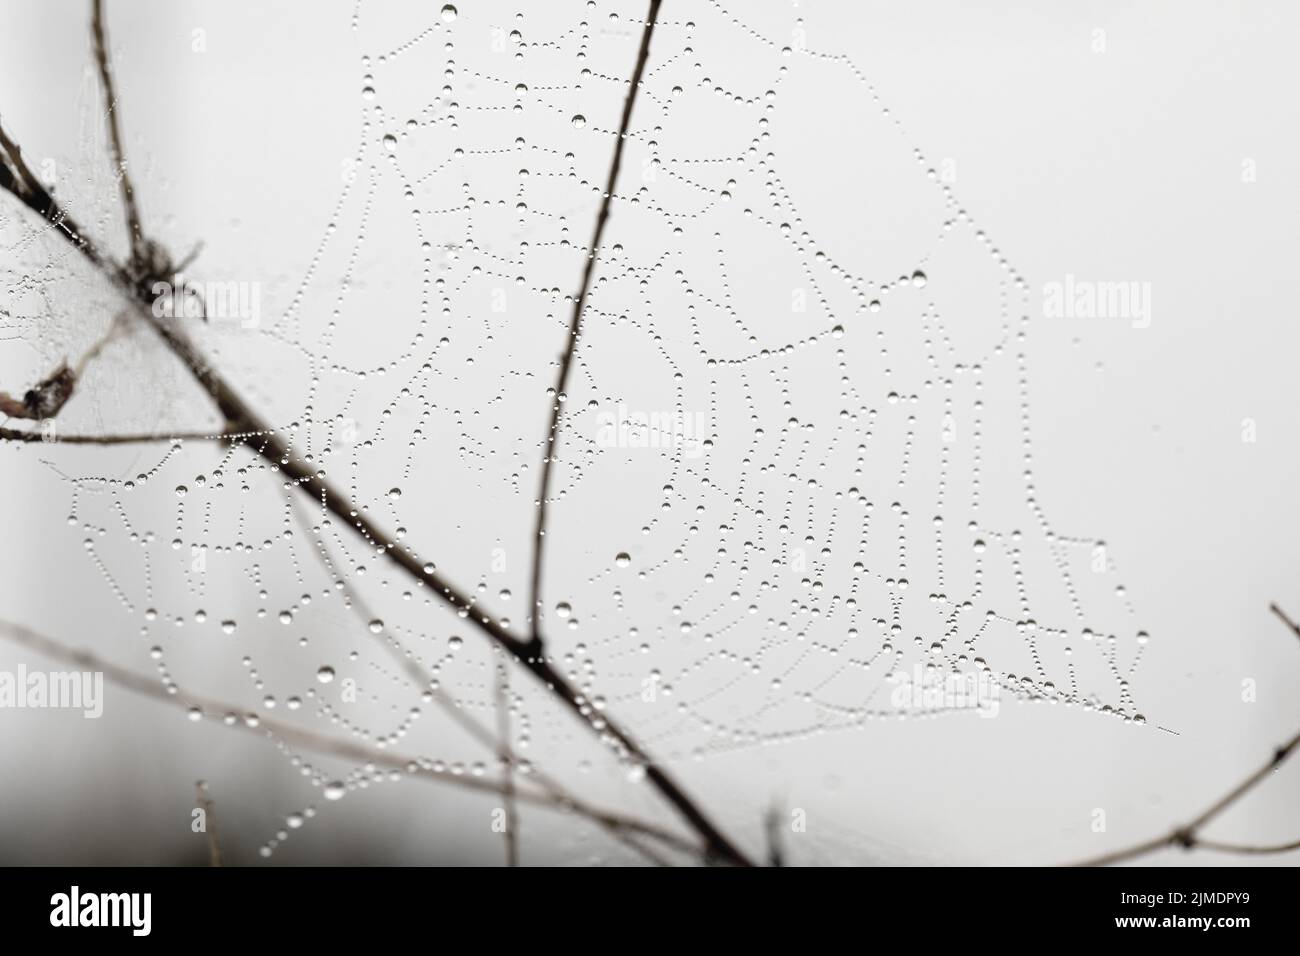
(1119, 164)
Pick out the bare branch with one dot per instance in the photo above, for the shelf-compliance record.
(320, 743)
(1248, 850)
(133, 229)
(508, 777)
(45, 399)
(14, 434)
(16, 178)
(550, 449)
(1188, 836)
(1295, 628)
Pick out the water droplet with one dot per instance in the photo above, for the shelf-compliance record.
(448, 13)
(579, 121)
(335, 790)
(622, 559)
(390, 143)
(918, 279)
(564, 609)
(325, 674)
(376, 626)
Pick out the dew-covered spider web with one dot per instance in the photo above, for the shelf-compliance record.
(797, 467)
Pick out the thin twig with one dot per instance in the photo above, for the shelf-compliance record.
(507, 768)
(209, 822)
(114, 330)
(550, 449)
(17, 178)
(638, 845)
(46, 399)
(1247, 849)
(18, 435)
(115, 135)
(320, 743)
(1188, 836)
(1295, 628)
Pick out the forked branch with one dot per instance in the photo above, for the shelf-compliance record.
(1188, 836)
(307, 478)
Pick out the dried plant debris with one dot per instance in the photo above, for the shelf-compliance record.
(44, 400)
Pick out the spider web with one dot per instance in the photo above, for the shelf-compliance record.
(797, 468)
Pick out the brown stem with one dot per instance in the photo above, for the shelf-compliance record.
(14, 434)
(17, 178)
(575, 326)
(114, 133)
(1282, 615)
(1248, 849)
(507, 770)
(320, 743)
(1188, 836)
